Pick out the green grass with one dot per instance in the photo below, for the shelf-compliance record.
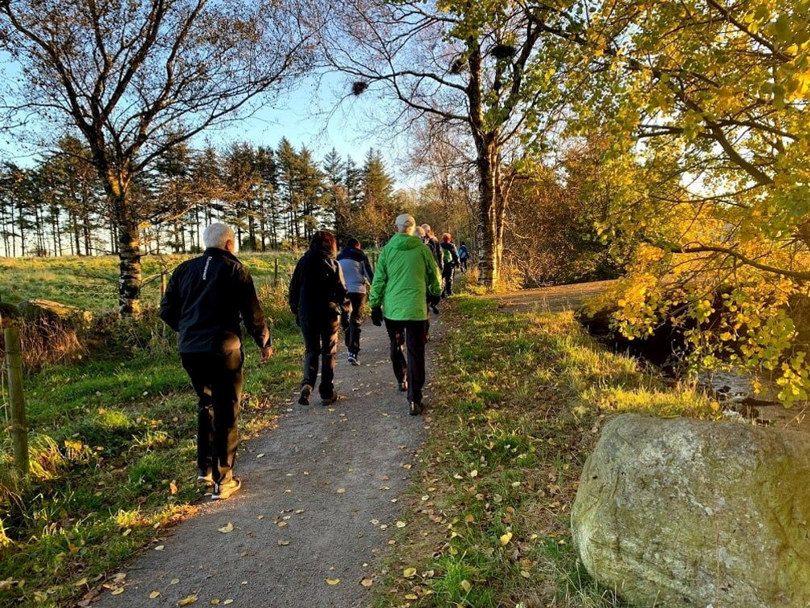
(91, 283)
(113, 440)
(517, 409)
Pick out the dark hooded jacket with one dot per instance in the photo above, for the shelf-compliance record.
(317, 289)
(205, 300)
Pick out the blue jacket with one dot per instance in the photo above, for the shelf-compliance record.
(356, 269)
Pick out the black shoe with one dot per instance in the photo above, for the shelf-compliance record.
(306, 391)
(415, 408)
(226, 489)
(330, 400)
(353, 359)
(403, 386)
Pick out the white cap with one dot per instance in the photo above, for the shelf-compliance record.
(405, 221)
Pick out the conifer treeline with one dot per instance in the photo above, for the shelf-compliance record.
(274, 199)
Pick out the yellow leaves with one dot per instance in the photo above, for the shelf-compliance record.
(409, 572)
(283, 543)
(154, 595)
(227, 528)
(366, 582)
(188, 600)
(466, 585)
(332, 581)
(117, 591)
(505, 538)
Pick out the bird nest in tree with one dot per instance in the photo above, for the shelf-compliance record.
(358, 87)
(503, 51)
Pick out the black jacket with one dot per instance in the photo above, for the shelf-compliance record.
(317, 289)
(205, 300)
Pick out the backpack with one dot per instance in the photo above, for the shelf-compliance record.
(447, 255)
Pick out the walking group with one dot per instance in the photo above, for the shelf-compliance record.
(208, 297)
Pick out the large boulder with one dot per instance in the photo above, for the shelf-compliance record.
(693, 513)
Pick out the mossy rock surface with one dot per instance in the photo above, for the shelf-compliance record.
(685, 513)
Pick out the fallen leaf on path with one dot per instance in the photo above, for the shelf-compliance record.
(174, 581)
(506, 538)
(191, 599)
(466, 585)
(409, 572)
(411, 596)
(154, 594)
(281, 524)
(400, 524)
(226, 528)
(260, 517)
(332, 581)
(525, 574)
(215, 602)
(407, 465)
(260, 456)
(127, 532)
(367, 582)
(81, 582)
(173, 487)
(159, 548)
(299, 511)
(226, 602)
(474, 473)
(283, 543)
(117, 591)
(341, 490)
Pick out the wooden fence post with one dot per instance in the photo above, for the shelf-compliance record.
(162, 283)
(275, 272)
(19, 426)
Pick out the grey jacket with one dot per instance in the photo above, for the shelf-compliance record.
(356, 270)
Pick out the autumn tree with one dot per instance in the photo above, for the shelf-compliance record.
(704, 103)
(460, 62)
(136, 79)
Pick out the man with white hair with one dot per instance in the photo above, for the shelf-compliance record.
(405, 276)
(205, 301)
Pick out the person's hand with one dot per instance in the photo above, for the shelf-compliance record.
(377, 316)
(267, 352)
(433, 300)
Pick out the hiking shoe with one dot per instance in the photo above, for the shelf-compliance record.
(226, 489)
(352, 358)
(206, 478)
(403, 386)
(414, 408)
(306, 391)
(330, 400)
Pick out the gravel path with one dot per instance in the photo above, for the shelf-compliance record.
(319, 502)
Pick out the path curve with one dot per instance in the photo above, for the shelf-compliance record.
(556, 298)
(320, 500)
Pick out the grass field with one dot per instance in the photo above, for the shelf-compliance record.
(91, 283)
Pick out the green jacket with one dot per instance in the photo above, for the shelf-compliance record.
(405, 272)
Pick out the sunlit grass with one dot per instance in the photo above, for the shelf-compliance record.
(517, 406)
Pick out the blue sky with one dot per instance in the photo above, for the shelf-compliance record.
(308, 115)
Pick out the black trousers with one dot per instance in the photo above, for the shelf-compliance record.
(320, 342)
(410, 337)
(352, 323)
(447, 275)
(217, 380)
